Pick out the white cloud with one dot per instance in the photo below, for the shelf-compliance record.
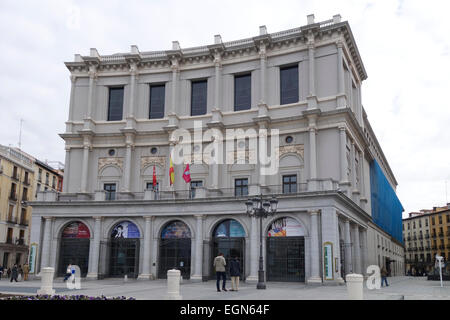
(404, 46)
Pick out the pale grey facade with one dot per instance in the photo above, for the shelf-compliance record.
(329, 154)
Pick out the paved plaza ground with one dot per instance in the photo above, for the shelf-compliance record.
(407, 288)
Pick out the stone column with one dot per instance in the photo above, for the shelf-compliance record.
(218, 76)
(133, 72)
(341, 98)
(92, 79)
(46, 242)
(253, 276)
(69, 127)
(197, 276)
(364, 253)
(85, 164)
(312, 183)
(262, 76)
(127, 170)
(312, 98)
(357, 249)
(95, 253)
(315, 249)
(145, 273)
(66, 178)
(348, 248)
(154, 248)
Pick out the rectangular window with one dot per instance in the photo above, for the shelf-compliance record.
(110, 189)
(198, 97)
(25, 194)
(15, 176)
(12, 195)
(11, 213)
(440, 219)
(290, 184)
(47, 177)
(426, 222)
(157, 98)
(241, 187)
(115, 107)
(26, 178)
(289, 85)
(54, 182)
(432, 221)
(242, 92)
(194, 185)
(40, 175)
(23, 217)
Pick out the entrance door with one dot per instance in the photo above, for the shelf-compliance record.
(75, 252)
(285, 259)
(342, 250)
(124, 258)
(231, 247)
(175, 254)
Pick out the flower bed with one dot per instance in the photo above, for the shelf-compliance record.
(58, 297)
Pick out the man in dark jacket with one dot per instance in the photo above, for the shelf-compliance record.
(235, 273)
(14, 273)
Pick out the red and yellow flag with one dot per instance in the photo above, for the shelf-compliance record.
(171, 173)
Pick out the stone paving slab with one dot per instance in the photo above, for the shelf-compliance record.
(407, 288)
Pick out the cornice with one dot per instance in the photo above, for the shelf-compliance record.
(204, 55)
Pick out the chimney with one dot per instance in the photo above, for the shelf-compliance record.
(310, 18)
(134, 49)
(217, 39)
(94, 53)
(262, 30)
(176, 45)
(336, 18)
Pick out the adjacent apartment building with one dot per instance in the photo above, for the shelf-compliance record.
(296, 91)
(426, 234)
(16, 189)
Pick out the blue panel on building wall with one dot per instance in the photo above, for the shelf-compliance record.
(386, 207)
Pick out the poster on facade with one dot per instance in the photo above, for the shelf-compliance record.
(32, 258)
(125, 230)
(328, 260)
(76, 230)
(285, 227)
(175, 230)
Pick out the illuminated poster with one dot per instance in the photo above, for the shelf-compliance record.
(176, 229)
(285, 227)
(76, 230)
(328, 260)
(32, 259)
(125, 230)
(229, 228)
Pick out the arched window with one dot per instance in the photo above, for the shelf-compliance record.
(125, 230)
(175, 230)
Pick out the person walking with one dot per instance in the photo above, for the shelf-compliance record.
(14, 273)
(68, 272)
(20, 272)
(384, 274)
(26, 270)
(1, 272)
(8, 272)
(219, 265)
(235, 273)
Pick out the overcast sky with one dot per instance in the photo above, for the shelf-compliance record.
(404, 45)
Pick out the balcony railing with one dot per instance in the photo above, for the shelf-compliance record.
(441, 246)
(421, 248)
(12, 220)
(415, 237)
(15, 241)
(441, 234)
(433, 235)
(427, 236)
(26, 182)
(433, 247)
(200, 193)
(420, 237)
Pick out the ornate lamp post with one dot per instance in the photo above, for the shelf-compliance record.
(260, 208)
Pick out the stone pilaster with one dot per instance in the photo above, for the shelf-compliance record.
(315, 249)
(46, 243)
(347, 248)
(341, 97)
(85, 165)
(330, 236)
(357, 249)
(129, 142)
(253, 276)
(198, 259)
(145, 273)
(95, 252)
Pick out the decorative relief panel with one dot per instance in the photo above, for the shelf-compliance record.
(298, 149)
(103, 162)
(146, 161)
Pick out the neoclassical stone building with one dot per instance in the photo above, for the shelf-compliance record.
(305, 82)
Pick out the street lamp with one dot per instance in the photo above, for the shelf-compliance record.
(257, 207)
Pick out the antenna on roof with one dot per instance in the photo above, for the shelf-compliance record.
(20, 134)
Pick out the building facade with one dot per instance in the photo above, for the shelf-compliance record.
(124, 116)
(16, 189)
(426, 234)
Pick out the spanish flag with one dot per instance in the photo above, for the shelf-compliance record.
(171, 173)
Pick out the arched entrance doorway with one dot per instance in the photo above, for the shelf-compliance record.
(229, 239)
(175, 249)
(285, 251)
(74, 248)
(124, 250)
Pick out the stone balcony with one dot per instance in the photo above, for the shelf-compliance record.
(319, 185)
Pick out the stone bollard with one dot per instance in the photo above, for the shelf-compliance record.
(125, 278)
(173, 285)
(355, 286)
(47, 281)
